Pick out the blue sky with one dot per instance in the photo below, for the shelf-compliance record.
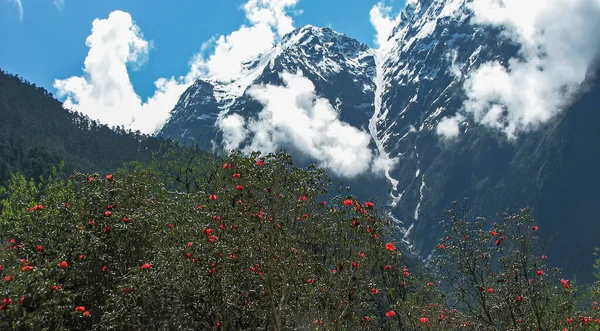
(48, 41)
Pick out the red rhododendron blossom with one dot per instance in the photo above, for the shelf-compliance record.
(429, 283)
(390, 313)
(239, 187)
(91, 222)
(212, 197)
(424, 320)
(374, 291)
(540, 272)
(91, 179)
(106, 229)
(490, 290)
(80, 308)
(260, 163)
(86, 313)
(441, 246)
(544, 257)
(367, 319)
(565, 283)
(40, 248)
(226, 166)
(236, 175)
(104, 269)
(125, 219)
(109, 177)
(493, 233)
(534, 228)
(348, 202)
(107, 213)
(390, 247)
(519, 298)
(498, 242)
(170, 225)
(302, 198)
(387, 267)
(63, 264)
(208, 231)
(27, 268)
(310, 281)
(213, 238)
(7, 278)
(190, 244)
(146, 266)
(369, 204)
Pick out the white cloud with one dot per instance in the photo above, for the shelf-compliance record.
(19, 8)
(234, 132)
(383, 22)
(105, 93)
(559, 45)
(60, 4)
(294, 116)
(448, 127)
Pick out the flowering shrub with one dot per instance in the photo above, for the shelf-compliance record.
(256, 243)
(259, 243)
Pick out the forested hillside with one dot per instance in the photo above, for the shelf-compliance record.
(36, 133)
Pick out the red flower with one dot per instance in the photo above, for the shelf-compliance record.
(106, 229)
(170, 225)
(40, 248)
(348, 202)
(390, 247)
(519, 298)
(498, 242)
(441, 246)
(493, 233)
(369, 204)
(7, 278)
(390, 313)
(534, 228)
(236, 175)
(125, 219)
(109, 177)
(302, 198)
(27, 268)
(111, 206)
(424, 320)
(212, 197)
(86, 313)
(208, 231)
(260, 163)
(374, 291)
(544, 257)
(91, 179)
(63, 264)
(490, 290)
(107, 213)
(540, 272)
(310, 281)
(190, 244)
(429, 283)
(387, 267)
(213, 238)
(91, 222)
(565, 283)
(82, 257)
(239, 187)
(146, 266)
(367, 319)
(80, 308)
(226, 166)
(104, 268)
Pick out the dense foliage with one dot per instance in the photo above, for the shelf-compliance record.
(249, 243)
(36, 133)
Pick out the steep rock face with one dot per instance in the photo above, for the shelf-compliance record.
(432, 52)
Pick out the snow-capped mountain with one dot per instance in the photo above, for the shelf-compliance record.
(341, 68)
(398, 94)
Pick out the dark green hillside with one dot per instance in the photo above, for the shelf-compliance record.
(36, 133)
